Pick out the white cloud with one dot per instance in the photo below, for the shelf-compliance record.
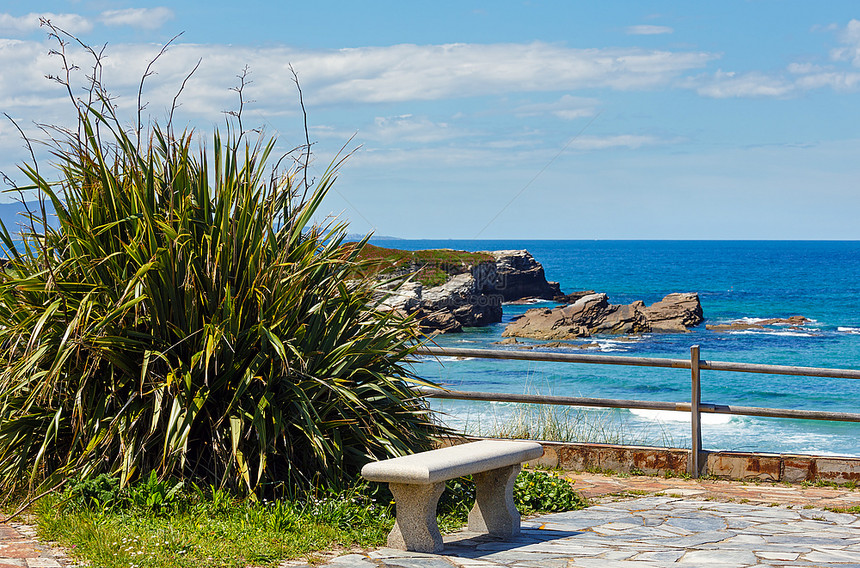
(649, 30)
(838, 81)
(145, 18)
(724, 85)
(631, 141)
(407, 128)
(17, 26)
(333, 77)
(567, 107)
(850, 36)
(411, 72)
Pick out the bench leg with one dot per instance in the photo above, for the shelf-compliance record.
(415, 528)
(494, 511)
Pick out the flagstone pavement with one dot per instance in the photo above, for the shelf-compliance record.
(635, 521)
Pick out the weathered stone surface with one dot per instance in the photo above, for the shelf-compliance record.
(401, 296)
(452, 461)
(520, 276)
(794, 322)
(494, 511)
(462, 297)
(572, 297)
(674, 313)
(472, 295)
(415, 528)
(594, 315)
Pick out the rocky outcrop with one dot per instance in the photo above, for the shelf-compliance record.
(793, 322)
(457, 303)
(674, 313)
(572, 297)
(594, 315)
(471, 295)
(461, 296)
(520, 276)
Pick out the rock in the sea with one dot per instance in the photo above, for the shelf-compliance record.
(795, 322)
(594, 315)
(674, 313)
(520, 276)
(440, 321)
(476, 285)
(572, 297)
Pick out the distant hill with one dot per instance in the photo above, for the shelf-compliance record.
(352, 237)
(12, 214)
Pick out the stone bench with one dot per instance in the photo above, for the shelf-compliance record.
(417, 482)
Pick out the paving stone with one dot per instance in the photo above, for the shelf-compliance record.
(352, 561)
(42, 562)
(718, 558)
(786, 556)
(805, 540)
(604, 563)
(832, 556)
(619, 554)
(662, 556)
(697, 524)
(426, 562)
(689, 541)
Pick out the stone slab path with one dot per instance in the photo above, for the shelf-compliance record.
(649, 532)
(19, 548)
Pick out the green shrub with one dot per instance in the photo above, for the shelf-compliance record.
(538, 491)
(184, 317)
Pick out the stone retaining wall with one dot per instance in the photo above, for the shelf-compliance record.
(789, 468)
(740, 466)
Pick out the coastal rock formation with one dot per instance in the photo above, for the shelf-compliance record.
(520, 276)
(794, 322)
(473, 289)
(461, 296)
(448, 307)
(674, 313)
(594, 315)
(572, 297)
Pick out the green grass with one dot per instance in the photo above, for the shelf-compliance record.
(237, 534)
(103, 525)
(431, 267)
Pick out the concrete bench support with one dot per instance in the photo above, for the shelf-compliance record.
(494, 511)
(415, 527)
(417, 482)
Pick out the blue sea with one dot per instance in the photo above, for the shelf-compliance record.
(735, 280)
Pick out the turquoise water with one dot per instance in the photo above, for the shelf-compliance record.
(734, 279)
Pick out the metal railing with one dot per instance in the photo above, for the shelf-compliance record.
(695, 407)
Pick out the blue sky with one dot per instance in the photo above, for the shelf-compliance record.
(524, 120)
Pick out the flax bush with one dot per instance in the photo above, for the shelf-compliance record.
(183, 315)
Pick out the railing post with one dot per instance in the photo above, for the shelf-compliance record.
(695, 416)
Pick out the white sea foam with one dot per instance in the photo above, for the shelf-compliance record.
(610, 346)
(674, 416)
(851, 330)
(528, 301)
(770, 332)
(446, 359)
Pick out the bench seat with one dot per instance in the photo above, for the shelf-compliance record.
(417, 481)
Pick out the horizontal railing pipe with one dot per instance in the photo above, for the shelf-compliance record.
(556, 357)
(639, 362)
(704, 408)
(556, 400)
